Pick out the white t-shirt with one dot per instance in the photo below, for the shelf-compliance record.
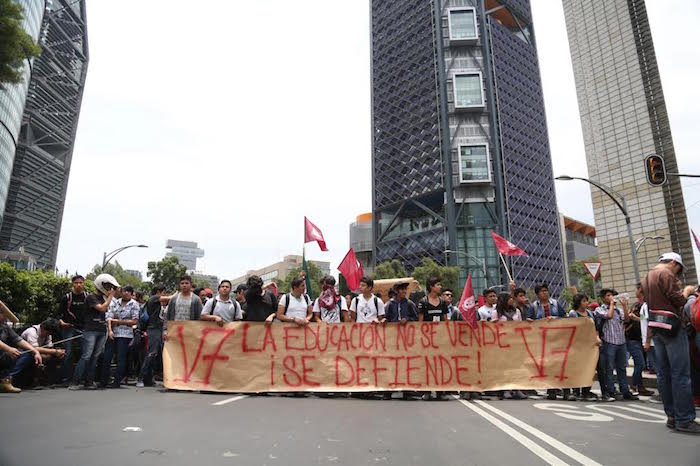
(332, 316)
(644, 318)
(486, 311)
(366, 311)
(33, 336)
(297, 307)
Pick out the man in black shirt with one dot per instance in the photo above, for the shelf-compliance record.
(154, 330)
(71, 312)
(95, 332)
(260, 305)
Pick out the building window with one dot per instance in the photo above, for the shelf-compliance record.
(474, 164)
(462, 26)
(469, 93)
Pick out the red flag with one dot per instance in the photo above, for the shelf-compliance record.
(312, 233)
(695, 237)
(467, 304)
(351, 269)
(506, 247)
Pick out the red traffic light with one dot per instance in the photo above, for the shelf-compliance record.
(655, 170)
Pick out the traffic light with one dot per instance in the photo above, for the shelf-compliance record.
(656, 170)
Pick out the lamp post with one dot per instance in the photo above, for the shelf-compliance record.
(621, 203)
(640, 241)
(481, 263)
(106, 257)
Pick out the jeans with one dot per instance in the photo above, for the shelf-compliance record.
(13, 367)
(93, 346)
(635, 349)
(673, 376)
(602, 369)
(67, 362)
(155, 337)
(121, 345)
(651, 359)
(615, 355)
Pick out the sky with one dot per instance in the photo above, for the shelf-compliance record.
(227, 123)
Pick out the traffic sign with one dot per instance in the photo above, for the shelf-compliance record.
(593, 268)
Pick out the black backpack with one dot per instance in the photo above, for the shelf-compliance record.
(376, 305)
(286, 304)
(340, 310)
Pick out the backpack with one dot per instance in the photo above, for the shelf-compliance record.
(236, 306)
(340, 308)
(286, 304)
(376, 305)
(695, 314)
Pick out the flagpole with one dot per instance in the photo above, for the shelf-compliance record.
(510, 277)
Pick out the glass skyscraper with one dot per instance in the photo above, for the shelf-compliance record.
(460, 145)
(36, 193)
(12, 99)
(624, 119)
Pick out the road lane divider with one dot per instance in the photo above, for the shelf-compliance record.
(551, 441)
(545, 455)
(229, 400)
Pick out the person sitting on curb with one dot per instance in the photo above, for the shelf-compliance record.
(12, 361)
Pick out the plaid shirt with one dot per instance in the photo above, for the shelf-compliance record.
(613, 329)
(118, 310)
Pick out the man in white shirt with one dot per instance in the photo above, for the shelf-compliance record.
(40, 337)
(295, 306)
(485, 311)
(367, 308)
(222, 308)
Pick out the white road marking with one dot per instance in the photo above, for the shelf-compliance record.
(520, 438)
(568, 451)
(229, 400)
(649, 408)
(611, 410)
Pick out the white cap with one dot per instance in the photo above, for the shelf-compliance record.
(672, 256)
(103, 278)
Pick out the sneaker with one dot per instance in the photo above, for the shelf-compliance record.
(426, 396)
(571, 397)
(629, 396)
(409, 396)
(552, 396)
(474, 395)
(690, 428)
(619, 396)
(75, 386)
(608, 397)
(590, 396)
(140, 384)
(656, 399)
(670, 423)
(645, 392)
(518, 395)
(506, 395)
(93, 386)
(465, 395)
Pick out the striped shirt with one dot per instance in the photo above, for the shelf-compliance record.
(120, 310)
(613, 329)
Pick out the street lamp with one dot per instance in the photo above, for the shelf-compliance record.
(640, 241)
(106, 257)
(621, 203)
(482, 263)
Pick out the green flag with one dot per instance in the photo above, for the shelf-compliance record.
(305, 268)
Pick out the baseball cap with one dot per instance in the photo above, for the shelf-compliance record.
(672, 256)
(240, 288)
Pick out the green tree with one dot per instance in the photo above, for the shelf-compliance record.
(32, 296)
(15, 44)
(449, 276)
(586, 281)
(284, 286)
(118, 272)
(390, 269)
(167, 272)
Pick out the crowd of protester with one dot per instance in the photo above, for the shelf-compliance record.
(657, 332)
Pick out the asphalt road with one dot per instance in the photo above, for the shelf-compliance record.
(58, 427)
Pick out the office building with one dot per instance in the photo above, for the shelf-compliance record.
(361, 241)
(33, 210)
(460, 144)
(579, 244)
(280, 270)
(186, 252)
(624, 119)
(13, 98)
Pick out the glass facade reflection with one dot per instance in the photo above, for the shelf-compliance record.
(12, 100)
